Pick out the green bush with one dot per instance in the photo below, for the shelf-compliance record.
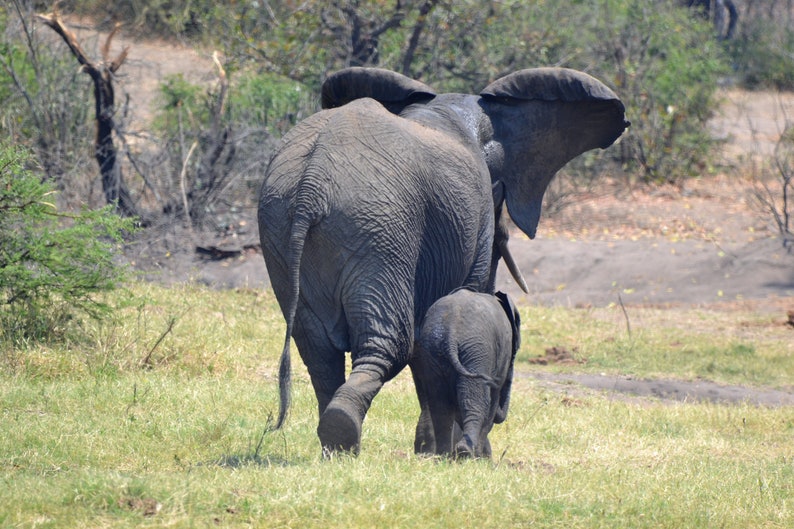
(267, 101)
(665, 65)
(270, 101)
(763, 54)
(182, 105)
(52, 265)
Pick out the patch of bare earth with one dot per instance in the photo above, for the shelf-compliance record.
(640, 390)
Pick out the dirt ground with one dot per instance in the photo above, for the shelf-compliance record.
(705, 244)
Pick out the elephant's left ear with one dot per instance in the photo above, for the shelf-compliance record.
(563, 85)
(395, 91)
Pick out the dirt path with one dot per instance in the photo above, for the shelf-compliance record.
(660, 390)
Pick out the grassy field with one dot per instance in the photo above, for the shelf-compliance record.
(156, 420)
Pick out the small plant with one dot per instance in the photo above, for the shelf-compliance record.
(183, 104)
(774, 190)
(52, 264)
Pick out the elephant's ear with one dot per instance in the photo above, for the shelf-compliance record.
(395, 91)
(542, 118)
(512, 315)
(565, 86)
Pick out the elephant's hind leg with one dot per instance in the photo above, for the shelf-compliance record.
(424, 439)
(377, 357)
(324, 360)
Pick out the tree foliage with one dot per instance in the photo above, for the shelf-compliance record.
(52, 264)
(43, 103)
(665, 66)
(662, 59)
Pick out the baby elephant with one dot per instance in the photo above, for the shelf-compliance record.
(463, 369)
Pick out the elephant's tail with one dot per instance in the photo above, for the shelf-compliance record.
(298, 232)
(453, 355)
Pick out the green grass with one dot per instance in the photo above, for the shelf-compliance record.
(93, 436)
(737, 346)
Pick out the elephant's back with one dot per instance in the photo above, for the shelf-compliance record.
(361, 169)
(467, 322)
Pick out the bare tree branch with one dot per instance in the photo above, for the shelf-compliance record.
(413, 42)
(101, 74)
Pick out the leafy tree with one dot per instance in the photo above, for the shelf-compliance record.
(52, 265)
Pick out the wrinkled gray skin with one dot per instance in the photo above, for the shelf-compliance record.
(379, 205)
(463, 370)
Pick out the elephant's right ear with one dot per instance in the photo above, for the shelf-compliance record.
(395, 91)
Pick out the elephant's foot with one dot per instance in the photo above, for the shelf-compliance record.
(424, 447)
(486, 449)
(463, 450)
(339, 431)
(340, 423)
(466, 448)
(424, 440)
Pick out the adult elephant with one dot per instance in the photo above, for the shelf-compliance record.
(377, 206)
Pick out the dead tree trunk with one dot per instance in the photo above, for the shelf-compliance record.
(101, 74)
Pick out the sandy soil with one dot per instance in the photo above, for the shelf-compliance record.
(704, 245)
(652, 247)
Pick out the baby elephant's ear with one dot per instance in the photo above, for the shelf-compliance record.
(393, 90)
(512, 315)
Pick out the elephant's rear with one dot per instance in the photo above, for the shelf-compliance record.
(467, 324)
(386, 201)
(285, 216)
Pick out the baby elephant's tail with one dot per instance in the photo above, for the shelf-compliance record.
(453, 354)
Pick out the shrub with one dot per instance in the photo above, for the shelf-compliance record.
(258, 100)
(774, 187)
(762, 52)
(665, 65)
(52, 264)
(182, 105)
(270, 101)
